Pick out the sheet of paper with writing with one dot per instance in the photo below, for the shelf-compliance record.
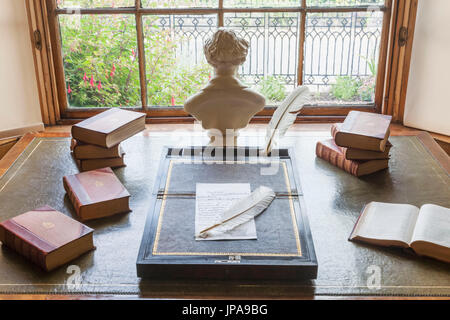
(212, 199)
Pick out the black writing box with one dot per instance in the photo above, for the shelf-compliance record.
(284, 247)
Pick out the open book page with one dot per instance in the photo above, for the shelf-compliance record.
(433, 225)
(212, 199)
(387, 221)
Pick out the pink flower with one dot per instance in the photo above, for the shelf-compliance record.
(209, 76)
(85, 78)
(172, 100)
(69, 91)
(99, 85)
(113, 70)
(133, 53)
(92, 81)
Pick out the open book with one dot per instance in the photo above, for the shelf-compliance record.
(425, 230)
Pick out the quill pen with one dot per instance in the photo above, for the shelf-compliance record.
(284, 116)
(242, 211)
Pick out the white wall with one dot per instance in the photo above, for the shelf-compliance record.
(428, 96)
(19, 99)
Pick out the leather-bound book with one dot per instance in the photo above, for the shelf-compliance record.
(109, 128)
(329, 151)
(360, 154)
(46, 237)
(90, 151)
(92, 164)
(96, 194)
(363, 130)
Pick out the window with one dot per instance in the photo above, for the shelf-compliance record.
(148, 54)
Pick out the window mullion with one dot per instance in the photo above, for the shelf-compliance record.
(301, 45)
(220, 17)
(141, 55)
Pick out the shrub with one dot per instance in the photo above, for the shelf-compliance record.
(100, 58)
(273, 88)
(367, 89)
(345, 88)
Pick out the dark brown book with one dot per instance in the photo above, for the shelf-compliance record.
(109, 127)
(360, 154)
(96, 194)
(83, 151)
(363, 130)
(92, 164)
(330, 152)
(46, 237)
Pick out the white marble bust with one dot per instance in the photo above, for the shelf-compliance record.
(225, 103)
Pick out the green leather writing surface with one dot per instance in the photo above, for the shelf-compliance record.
(333, 201)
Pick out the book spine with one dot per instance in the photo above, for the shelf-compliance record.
(334, 130)
(73, 144)
(337, 159)
(72, 196)
(344, 151)
(23, 248)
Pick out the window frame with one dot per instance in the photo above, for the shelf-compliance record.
(162, 114)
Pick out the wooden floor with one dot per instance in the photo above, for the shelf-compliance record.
(6, 145)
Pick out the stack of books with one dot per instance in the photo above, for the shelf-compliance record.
(360, 144)
(96, 141)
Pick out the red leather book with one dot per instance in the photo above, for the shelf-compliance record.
(363, 130)
(92, 164)
(96, 194)
(46, 237)
(329, 151)
(109, 128)
(83, 151)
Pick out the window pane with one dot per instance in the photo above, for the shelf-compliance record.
(271, 63)
(337, 3)
(175, 64)
(341, 56)
(180, 3)
(100, 60)
(261, 3)
(94, 3)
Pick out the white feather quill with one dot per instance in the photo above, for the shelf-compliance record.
(242, 211)
(284, 116)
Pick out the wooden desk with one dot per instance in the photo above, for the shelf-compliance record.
(332, 204)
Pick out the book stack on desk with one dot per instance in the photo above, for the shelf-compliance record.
(360, 144)
(96, 141)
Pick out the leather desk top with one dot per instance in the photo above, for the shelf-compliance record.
(333, 201)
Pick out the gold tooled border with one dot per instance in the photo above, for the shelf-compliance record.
(163, 204)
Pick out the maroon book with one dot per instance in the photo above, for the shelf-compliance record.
(109, 128)
(330, 152)
(92, 164)
(83, 151)
(96, 194)
(46, 237)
